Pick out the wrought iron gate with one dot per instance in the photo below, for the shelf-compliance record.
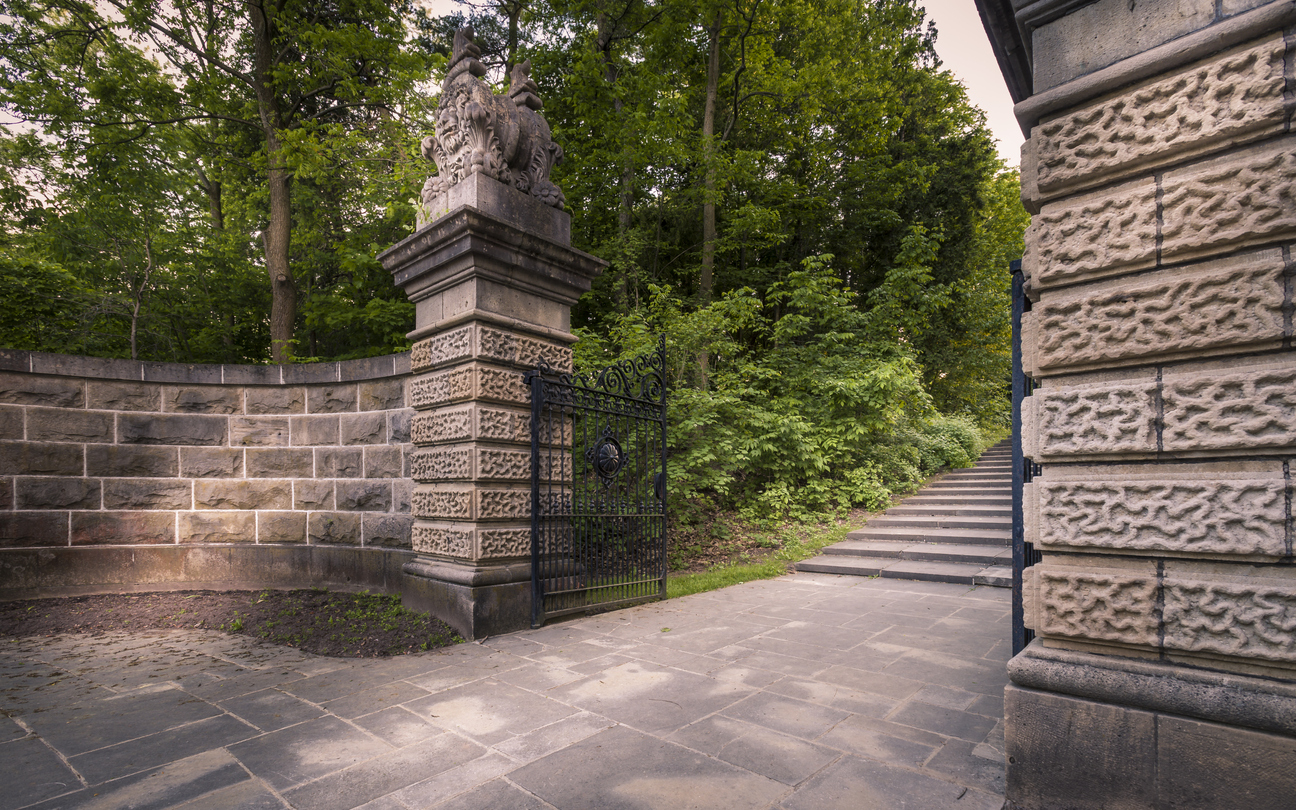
(1023, 469)
(598, 487)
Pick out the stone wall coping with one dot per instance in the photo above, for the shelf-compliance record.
(1188, 48)
(107, 368)
(1218, 697)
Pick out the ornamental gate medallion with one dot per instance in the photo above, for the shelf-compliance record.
(598, 487)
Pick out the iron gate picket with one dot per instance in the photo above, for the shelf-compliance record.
(598, 487)
(1023, 469)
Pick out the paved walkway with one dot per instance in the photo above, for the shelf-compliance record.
(809, 691)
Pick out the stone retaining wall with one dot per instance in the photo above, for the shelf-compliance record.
(107, 453)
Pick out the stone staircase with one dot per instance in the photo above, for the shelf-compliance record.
(957, 529)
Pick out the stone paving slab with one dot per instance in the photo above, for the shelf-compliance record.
(809, 691)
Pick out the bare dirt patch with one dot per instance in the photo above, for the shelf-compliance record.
(317, 621)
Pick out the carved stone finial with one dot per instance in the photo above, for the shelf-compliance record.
(478, 131)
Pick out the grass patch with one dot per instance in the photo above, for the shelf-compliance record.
(795, 542)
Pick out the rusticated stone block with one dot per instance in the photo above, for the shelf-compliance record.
(259, 431)
(280, 462)
(218, 527)
(243, 494)
(123, 528)
(442, 387)
(281, 527)
(202, 399)
(124, 396)
(314, 430)
(57, 493)
(331, 398)
(41, 458)
(503, 465)
(1093, 235)
(34, 389)
(1186, 516)
(1244, 620)
(399, 430)
(339, 462)
(1215, 103)
(450, 504)
(1220, 306)
(64, 425)
(504, 504)
(441, 464)
(364, 496)
(1094, 421)
(382, 395)
(442, 426)
(211, 462)
(276, 400)
(402, 493)
(387, 531)
(521, 350)
(446, 541)
(7, 493)
(1246, 197)
(1249, 408)
(23, 529)
(1097, 606)
(335, 528)
(11, 423)
(501, 543)
(499, 385)
(179, 429)
(444, 348)
(313, 495)
(505, 425)
(383, 462)
(111, 461)
(147, 493)
(363, 428)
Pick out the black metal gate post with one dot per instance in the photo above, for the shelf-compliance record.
(598, 487)
(1023, 469)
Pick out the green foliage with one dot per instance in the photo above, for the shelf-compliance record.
(801, 410)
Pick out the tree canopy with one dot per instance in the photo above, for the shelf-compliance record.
(795, 192)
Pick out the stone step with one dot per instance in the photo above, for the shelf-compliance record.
(969, 497)
(939, 552)
(949, 510)
(990, 486)
(941, 522)
(918, 534)
(890, 568)
(973, 472)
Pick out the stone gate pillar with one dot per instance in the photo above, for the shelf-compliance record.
(1161, 173)
(493, 278)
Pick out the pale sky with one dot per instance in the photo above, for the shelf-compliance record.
(962, 45)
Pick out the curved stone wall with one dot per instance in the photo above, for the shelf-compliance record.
(122, 475)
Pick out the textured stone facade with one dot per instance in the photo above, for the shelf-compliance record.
(1161, 169)
(93, 461)
(493, 280)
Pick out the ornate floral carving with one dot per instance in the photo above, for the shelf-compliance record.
(504, 542)
(456, 504)
(442, 348)
(478, 131)
(441, 540)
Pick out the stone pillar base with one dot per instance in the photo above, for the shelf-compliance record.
(476, 600)
(1108, 735)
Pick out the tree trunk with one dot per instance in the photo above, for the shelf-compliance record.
(625, 196)
(278, 233)
(706, 282)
